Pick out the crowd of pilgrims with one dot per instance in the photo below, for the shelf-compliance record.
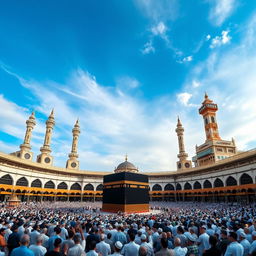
(79, 229)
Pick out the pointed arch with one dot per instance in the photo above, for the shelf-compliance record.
(49, 184)
(187, 186)
(99, 187)
(89, 187)
(22, 182)
(36, 183)
(218, 183)
(168, 187)
(62, 185)
(231, 181)
(156, 187)
(6, 179)
(76, 186)
(246, 179)
(207, 184)
(197, 185)
(178, 186)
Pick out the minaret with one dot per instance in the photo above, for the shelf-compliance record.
(45, 157)
(25, 148)
(183, 163)
(234, 144)
(214, 149)
(208, 111)
(72, 162)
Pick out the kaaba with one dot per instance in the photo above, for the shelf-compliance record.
(125, 190)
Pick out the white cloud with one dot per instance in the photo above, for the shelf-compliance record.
(221, 10)
(127, 82)
(221, 40)
(208, 37)
(186, 59)
(14, 118)
(6, 147)
(184, 98)
(148, 48)
(13, 123)
(195, 84)
(158, 10)
(159, 29)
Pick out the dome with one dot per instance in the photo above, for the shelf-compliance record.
(126, 167)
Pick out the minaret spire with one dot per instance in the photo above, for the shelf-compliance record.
(45, 156)
(72, 162)
(180, 130)
(31, 122)
(25, 148)
(183, 162)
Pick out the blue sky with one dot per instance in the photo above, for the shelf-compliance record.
(126, 69)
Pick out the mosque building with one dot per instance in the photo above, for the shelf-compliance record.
(219, 172)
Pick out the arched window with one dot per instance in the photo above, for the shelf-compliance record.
(99, 187)
(88, 187)
(6, 179)
(76, 186)
(197, 185)
(187, 186)
(49, 184)
(231, 181)
(178, 186)
(156, 187)
(168, 187)
(207, 184)
(246, 179)
(212, 119)
(62, 185)
(36, 183)
(218, 183)
(206, 120)
(22, 182)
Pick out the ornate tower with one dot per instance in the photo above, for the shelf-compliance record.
(25, 148)
(183, 163)
(214, 148)
(208, 111)
(45, 157)
(72, 162)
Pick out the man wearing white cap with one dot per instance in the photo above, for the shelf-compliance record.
(118, 247)
(150, 251)
(253, 245)
(245, 243)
